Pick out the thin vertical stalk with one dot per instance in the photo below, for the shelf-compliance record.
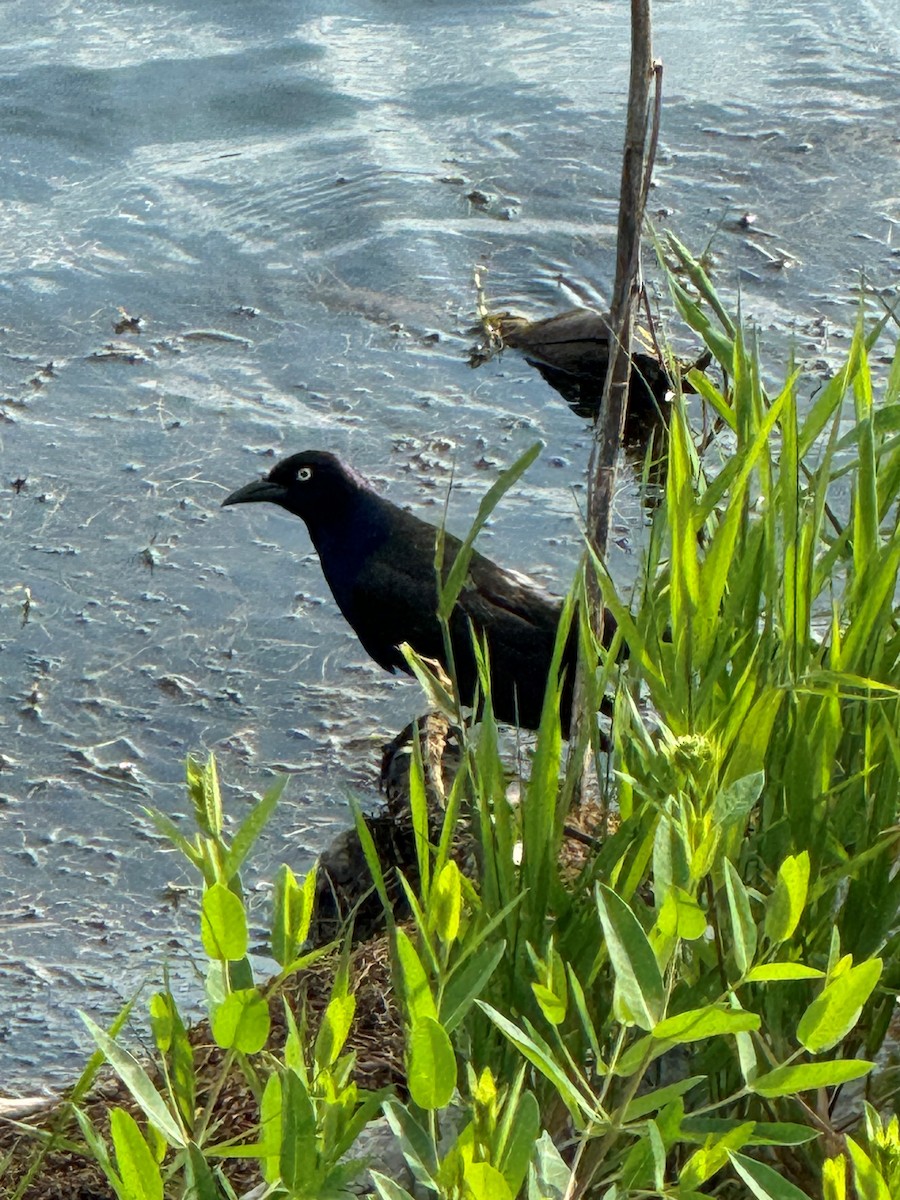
(636, 168)
(641, 133)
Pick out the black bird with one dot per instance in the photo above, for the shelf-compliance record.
(379, 563)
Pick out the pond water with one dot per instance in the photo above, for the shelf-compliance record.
(282, 193)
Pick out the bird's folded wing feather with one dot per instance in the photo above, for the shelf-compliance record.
(492, 590)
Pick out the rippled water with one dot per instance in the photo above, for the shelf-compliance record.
(280, 193)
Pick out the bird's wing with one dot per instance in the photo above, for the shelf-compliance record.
(493, 591)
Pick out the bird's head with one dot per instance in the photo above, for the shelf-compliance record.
(312, 485)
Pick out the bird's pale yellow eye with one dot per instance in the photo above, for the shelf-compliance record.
(303, 474)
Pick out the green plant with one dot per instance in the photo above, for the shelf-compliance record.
(727, 962)
(310, 1109)
(679, 1014)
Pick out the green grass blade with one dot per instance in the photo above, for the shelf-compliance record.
(456, 576)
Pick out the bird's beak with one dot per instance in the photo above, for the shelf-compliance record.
(260, 489)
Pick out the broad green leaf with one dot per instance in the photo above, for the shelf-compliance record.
(138, 1168)
(299, 1162)
(681, 916)
(431, 1064)
(485, 1182)
(551, 1177)
(201, 1182)
(415, 1142)
(651, 1102)
(699, 1023)
(834, 1013)
(645, 1161)
(270, 1129)
(870, 1184)
(294, 1053)
(670, 865)
(765, 1133)
(788, 899)
(777, 972)
(638, 980)
(216, 983)
(658, 1149)
(834, 1178)
(747, 1057)
(692, 920)
(743, 926)
(524, 1132)
(552, 988)
(782, 1133)
(806, 1077)
(334, 1030)
(291, 914)
(223, 924)
(387, 1189)
(417, 995)
(445, 903)
(162, 1022)
(764, 1182)
(551, 1005)
(241, 1022)
(734, 803)
(138, 1083)
(712, 1157)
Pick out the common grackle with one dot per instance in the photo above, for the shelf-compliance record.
(379, 563)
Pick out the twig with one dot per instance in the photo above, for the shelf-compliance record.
(637, 167)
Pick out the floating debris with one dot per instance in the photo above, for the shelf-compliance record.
(42, 374)
(125, 352)
(214, 335)
(127, 323)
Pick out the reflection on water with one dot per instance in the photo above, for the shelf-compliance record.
(293, 203)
